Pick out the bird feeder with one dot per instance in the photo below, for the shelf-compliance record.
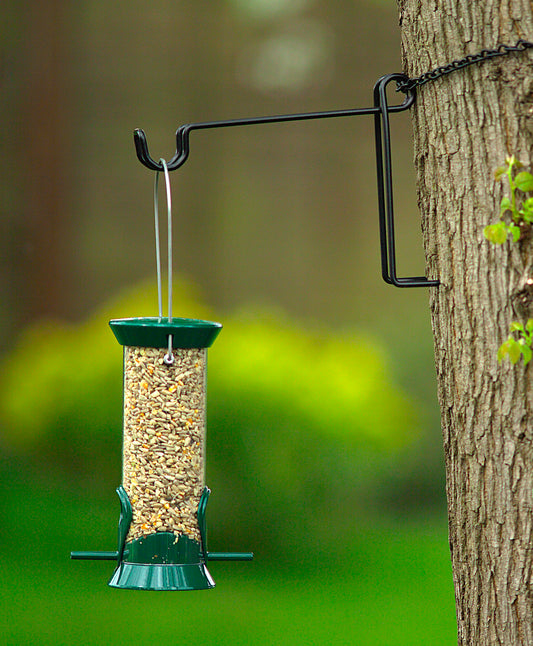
(162, 529)
(162, 537)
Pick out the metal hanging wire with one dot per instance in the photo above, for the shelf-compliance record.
(169, 356)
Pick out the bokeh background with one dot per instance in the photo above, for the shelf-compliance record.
(324, 451)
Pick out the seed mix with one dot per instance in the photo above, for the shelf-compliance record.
(164, 439)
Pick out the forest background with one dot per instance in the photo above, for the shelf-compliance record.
(324, 449)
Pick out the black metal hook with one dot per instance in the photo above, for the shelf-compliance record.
(380, 110)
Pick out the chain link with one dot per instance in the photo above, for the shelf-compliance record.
(485, 54)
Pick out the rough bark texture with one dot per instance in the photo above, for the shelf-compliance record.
(465, 125)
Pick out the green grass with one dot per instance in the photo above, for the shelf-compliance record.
(58, 609)
(387, 584)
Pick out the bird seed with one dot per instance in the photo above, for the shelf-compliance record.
(164, 439)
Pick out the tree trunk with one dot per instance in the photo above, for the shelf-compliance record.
(465, 125)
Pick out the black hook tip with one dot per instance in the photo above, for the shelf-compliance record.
(141, 147)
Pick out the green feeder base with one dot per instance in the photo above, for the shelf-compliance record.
(141, 576)
(161, 561)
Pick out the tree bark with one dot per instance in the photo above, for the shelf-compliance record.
(465, 125)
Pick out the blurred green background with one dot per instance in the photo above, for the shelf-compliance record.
(324, 451)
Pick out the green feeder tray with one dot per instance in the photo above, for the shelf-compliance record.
(162, 561)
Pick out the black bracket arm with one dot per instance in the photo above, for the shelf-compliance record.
(385, 188)
(380, 110)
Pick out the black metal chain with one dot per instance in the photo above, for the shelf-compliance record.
(485, 54)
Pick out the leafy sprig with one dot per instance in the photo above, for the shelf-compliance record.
(514, 209)
(515, 348)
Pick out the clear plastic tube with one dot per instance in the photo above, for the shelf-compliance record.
(164, 439)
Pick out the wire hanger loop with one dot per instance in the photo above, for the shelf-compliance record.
(169, 356)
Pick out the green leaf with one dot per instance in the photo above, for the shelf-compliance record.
(516, 327)
(515, 350)
(527, 353)
(496, 233)
(527, 214)
(529, 325)
(524, 182)
(502, 351)
(505, 205)
(500, 172)
(515, 232)
(512, 161)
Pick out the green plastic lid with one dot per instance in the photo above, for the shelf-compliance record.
(153, 332)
